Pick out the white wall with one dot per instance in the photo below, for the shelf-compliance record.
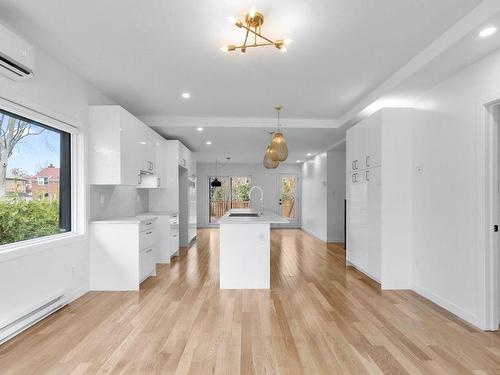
(265, 178)
(34, 273)
(314, 193)
(446, 243)
(335, 195)
(397, 198)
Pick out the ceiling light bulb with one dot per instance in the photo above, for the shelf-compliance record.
(252, 12)
(186, 95)
(288, 41)
(488, 32)
(231, 20)
(224, 48)
(209, 143)
(199, 129)
(298, 161)
(283, 49)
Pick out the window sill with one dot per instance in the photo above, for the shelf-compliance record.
(28, 247)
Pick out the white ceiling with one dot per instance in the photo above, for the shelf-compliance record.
(144, 54)
(247, 145)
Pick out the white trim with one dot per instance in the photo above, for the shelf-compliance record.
(78, 186)
(448, 305)
(236, 122)
(25, 248)
(487, 166)
(37, 116)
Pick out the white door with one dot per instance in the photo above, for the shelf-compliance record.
(288, 198)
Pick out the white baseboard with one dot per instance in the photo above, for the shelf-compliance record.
(313, 234)
(448, 305)
(77, 293)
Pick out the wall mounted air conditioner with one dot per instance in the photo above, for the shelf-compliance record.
(17, 56)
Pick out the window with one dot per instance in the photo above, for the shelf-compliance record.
(42, 181)
(233, 193)
(35, 179)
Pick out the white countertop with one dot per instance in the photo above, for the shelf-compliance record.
(124, 220)
(267, 218)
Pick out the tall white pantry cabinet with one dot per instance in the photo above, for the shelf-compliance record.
(379, 197)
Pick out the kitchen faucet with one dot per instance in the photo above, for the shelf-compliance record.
(261, 198)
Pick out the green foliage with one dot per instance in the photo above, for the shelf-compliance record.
(22, 219)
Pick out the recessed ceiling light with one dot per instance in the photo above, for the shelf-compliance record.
(487, 32)
(199, 129)
(143, 143)
(298, 161)
(186, 95)
(309, 154)
(209, 143)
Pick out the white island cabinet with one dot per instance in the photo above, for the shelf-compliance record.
(245, 247)
(122, 253)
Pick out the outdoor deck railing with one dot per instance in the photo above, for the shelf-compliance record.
(219, 208)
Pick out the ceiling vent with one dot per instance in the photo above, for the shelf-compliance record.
(17, 57)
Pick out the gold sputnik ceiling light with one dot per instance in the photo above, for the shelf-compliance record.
(253, 30)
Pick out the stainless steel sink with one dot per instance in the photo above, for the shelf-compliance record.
(244, 214)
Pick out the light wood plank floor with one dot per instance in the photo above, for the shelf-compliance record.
(318, 318)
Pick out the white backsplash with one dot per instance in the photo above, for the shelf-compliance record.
(109, 201)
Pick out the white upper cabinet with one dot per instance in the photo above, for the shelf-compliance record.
(121, 147)
(364, 144)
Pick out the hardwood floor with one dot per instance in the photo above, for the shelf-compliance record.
(318, 318)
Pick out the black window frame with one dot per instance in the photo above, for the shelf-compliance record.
(65, 173)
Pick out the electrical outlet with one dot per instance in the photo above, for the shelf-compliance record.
(419, 170)
(262, 237)
(73, 271)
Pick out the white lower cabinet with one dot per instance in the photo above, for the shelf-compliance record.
(364, 217)
(122, 253)
(166, 228)
(146, 263)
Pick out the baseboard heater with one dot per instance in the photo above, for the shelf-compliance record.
(17, 325)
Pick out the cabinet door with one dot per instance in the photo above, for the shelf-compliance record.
(130, 148)
(372, 153)
(192, 208)
(174, 244)
(161, 161)
(374, 260)
(356, 144)
(184, 156)
(357, 221)
(146, 154)
(146, 263)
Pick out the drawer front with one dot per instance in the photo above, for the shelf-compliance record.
(147, 238)
(148, 224)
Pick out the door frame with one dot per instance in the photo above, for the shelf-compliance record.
(298, 205)
(488, 198)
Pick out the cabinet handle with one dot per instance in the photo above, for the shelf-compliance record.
(352, 164)
(148, 251)
(352, 178)
(367, 175)
(355, 164)
(367, 161)
(149, 223)
(149, 232)
(174, 235)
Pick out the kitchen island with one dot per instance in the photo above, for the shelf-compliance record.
(245, 246)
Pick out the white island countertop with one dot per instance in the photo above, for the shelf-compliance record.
(268, 217)
(124, 220)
